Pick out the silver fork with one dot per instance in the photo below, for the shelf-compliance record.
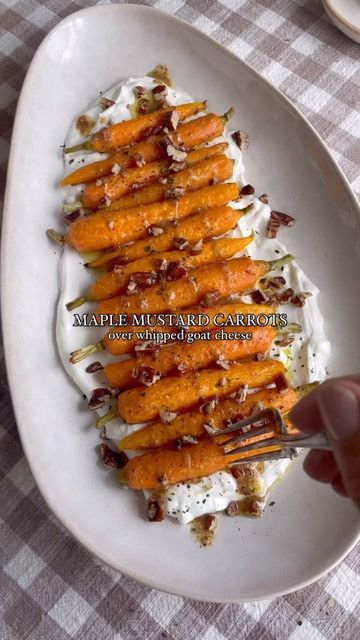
(272, 424)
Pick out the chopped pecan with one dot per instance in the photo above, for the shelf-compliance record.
(198, 246)
(222, 362)
(276, 282)
(209, 407)
(174, 192)
(264, 198)
(132, 288)
(211, 522)
(241, 394)
(261, 356)
(142, 98)
(172, 150)
(210, 298)
(247, 190)
(175, 271)
(99, 397)
(300, 298)
(161, 264)
(151, 131)
(213, 181)
(70, 217)
(184, 440)
(115, 169)
(111, 458)
(144, 279)
(258, 297)
(255, 508)
(241, 139)
(156, 510)
(160, 92)
(233, 508)
(273, 226)
(210, 427)
(146, 375)
(167, 416)
(171, 120)
(93, 367)
(139, 159)
(177, 166)
(153, 230)
(284, 218)
(147, 347)
(111, 225)
(281, 383)
(285, 341)
(286, 296)
(105, 103)
(180, 243)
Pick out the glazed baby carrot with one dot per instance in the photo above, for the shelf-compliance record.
(167, 264)
(178, 393)
(103, 230)
(190, 134)
(118, 347)
(191, 423)
(151, 470)
(204, 172)
(181, 358)
(200, 226)
(218, 168)
(130, 131)
(224, 278)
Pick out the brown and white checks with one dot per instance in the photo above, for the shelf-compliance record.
(50, 587)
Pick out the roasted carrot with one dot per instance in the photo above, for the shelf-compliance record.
(103, 230)
(191, 423)
(119, 346)
(151, 470)
(178, 393)
(130, 131)
(200, 226)
(224, 278)
(113, 283)
(191, 134)
(192, 177)
(218, 168)
(188, 357)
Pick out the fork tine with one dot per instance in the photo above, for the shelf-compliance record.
(254, 446)
(258, 431)
(247, 421)
(264, 457)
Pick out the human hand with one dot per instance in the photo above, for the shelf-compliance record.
(334, 407)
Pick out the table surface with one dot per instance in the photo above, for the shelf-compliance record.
(67, 593)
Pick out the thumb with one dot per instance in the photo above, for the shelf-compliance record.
(339, 405)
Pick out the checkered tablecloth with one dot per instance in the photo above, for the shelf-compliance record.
(50, 587)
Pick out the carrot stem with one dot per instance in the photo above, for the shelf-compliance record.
(229, 114)
(69, 207)
(80, 354)
(55, 236)
(76, 303)
(83, 146)
(107, 417)
(276, 264)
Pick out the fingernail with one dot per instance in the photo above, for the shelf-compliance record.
(340, 410)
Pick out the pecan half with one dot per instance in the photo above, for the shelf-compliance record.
(247, 190)
(156, 510)
(111, 458)
(93, 367)
(99, 397)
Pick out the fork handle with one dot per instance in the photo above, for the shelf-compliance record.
(315, 441)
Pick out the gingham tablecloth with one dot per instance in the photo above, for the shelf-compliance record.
(51, 588)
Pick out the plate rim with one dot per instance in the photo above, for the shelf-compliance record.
(6, 322)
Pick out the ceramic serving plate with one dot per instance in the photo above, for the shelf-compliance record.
(310, 528)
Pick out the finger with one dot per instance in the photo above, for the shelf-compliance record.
(339, 405)
(338, 486)
(306, 415)
(321, 466)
